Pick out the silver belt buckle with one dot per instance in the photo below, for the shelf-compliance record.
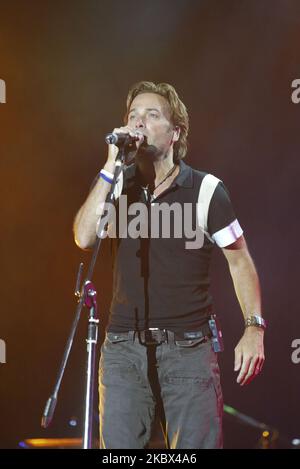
(154, 336)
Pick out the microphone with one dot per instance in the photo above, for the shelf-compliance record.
(124, 139)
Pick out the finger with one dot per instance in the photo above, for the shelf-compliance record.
(244, 370)
(260, 364)
(258, 367)
(124, 130)
(251, 372)
(247, 380)
(237, 360)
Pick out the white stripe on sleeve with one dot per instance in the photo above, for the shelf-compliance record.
(228, 235)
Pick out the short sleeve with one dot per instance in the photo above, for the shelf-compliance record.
(222, 223)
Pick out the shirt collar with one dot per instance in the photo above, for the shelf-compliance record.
(185, 175)
(183, 179)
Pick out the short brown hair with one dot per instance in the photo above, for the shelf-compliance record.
(179, 115)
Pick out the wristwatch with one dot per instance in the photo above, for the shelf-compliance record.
(256, 321)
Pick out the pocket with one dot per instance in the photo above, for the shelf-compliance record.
(194, 349)
(190, 343)
(114, 337)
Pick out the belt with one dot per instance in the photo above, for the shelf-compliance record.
(155, 336)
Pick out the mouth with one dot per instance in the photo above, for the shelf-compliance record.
(144, 141)
(138, 132)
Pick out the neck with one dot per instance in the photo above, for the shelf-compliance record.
(153, 171)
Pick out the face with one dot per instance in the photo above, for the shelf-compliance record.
(150, 114)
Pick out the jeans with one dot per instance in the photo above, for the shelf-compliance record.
(181, 377)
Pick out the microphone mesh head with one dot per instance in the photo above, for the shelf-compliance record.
(111, 138)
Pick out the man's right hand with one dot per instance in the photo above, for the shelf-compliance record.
(113, 149)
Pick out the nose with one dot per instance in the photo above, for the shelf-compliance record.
(139, 123)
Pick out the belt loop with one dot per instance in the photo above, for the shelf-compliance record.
(171, 337)
(131, 335)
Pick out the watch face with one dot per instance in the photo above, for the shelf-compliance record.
(260, 321)
(256, 320)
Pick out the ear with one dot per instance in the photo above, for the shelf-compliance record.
(176, 134)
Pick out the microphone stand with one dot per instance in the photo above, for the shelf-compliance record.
(87, 296)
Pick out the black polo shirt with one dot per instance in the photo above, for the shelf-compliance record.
(158, 282)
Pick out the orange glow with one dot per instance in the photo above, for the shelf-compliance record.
(54, 442)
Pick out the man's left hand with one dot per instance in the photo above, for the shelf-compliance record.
(249, 355)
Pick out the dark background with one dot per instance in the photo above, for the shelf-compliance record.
(67, 67)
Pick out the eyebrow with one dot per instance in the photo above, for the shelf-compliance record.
(147, 109)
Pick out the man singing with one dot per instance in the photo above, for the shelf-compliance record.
(162, 339)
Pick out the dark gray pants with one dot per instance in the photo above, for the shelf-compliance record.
(181, 376)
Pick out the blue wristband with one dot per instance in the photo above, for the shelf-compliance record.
(105, 175)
